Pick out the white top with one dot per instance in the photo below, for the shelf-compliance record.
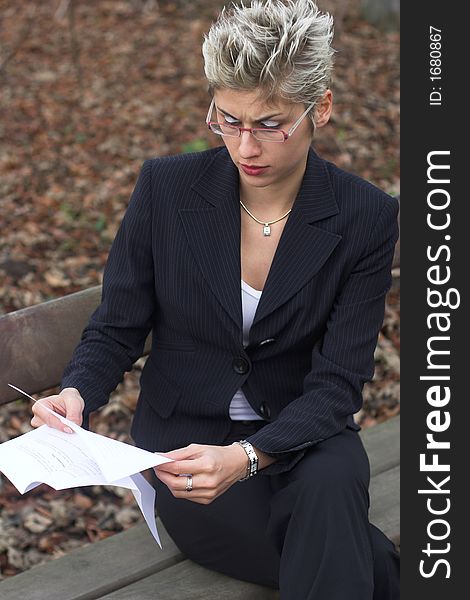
(240, 409)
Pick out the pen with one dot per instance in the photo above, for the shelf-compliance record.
(56, 408)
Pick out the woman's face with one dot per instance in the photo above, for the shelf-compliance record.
(280, 162)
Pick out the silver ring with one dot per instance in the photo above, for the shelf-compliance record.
(189, 483)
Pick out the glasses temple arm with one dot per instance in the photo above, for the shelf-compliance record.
(209, 113)
(299, 120)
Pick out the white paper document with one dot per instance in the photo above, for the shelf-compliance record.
(64, 460)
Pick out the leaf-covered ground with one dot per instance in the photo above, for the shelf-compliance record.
(88, 91)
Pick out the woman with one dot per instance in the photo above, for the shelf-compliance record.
(262, 271)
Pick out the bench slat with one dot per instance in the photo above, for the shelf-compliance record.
(189, 581)
(382, 443)
(96, 569)
(385, 502)
(106, 568)
(113, 564)
(37, 342)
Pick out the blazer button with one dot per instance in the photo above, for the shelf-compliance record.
(265, 410)
(240, 365)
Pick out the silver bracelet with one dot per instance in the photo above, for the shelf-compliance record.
(252, 467)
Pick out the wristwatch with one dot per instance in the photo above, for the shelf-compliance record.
(252, 467)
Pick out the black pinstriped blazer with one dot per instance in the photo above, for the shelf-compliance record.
(174, 268)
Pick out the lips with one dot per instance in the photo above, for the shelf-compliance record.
(252, 169)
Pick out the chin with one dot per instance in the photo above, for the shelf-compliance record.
(258, 182)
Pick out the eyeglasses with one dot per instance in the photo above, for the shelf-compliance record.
(262, 135)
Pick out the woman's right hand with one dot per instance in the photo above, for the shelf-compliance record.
(69, 403)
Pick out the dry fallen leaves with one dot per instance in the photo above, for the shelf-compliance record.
(75, 126)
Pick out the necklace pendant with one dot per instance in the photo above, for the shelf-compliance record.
(266, 230)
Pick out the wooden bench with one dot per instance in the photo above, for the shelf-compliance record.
(129, 565)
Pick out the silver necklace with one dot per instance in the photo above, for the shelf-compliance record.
(266, 224)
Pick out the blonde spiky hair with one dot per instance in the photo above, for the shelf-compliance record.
(282, 48)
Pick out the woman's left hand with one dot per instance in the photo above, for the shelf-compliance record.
(213, 468)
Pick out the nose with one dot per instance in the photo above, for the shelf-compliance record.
(249, 145)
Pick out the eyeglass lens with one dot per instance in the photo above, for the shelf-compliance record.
(264, 135)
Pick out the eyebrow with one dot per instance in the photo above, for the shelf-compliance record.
(256, 120)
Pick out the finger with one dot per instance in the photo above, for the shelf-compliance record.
(183, 467)
(199, 494)
(176, 483)
(47, 418)
(73, 404)
(191, 451)
(167, 478)
(36, 421)
(74, 413)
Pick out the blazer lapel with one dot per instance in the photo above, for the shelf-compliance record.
(213, 232)
(303, 247)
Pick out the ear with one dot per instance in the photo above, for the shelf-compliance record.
(323, 109)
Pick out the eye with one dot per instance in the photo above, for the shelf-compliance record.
(230, 120)
(270, 124)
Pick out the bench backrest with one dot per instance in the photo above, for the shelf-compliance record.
(37, 342)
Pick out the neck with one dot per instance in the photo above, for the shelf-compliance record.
(267, 202)
(274, 199)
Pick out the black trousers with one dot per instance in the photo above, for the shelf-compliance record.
(305, 532)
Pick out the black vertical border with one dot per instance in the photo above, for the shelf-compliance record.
(424, 129)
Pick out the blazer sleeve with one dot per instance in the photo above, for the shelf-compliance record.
(343, 359)
(115, 336)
